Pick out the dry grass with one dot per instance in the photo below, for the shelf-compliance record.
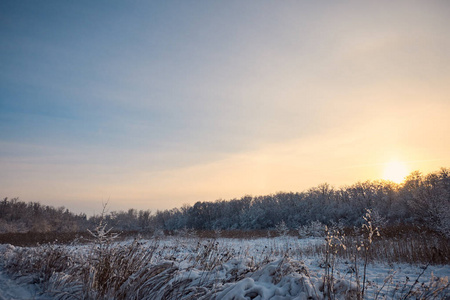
(189, 268)
(415, 249)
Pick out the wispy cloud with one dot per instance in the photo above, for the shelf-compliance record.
(174, 103)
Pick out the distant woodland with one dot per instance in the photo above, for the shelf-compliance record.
(422, 200)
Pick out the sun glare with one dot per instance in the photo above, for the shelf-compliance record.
(395, 171)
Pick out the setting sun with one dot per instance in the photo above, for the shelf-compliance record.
(395, 171)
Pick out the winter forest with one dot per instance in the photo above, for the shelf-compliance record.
(421, 201)
(370, 240)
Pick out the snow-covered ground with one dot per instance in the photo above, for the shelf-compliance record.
(382, 279)
(265, 268)
(11, 289)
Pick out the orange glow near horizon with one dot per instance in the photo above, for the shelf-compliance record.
(395, 171)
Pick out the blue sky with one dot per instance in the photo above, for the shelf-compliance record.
(155, 104)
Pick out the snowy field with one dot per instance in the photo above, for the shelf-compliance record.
(193, 268)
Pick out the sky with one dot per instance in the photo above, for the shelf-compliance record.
(156, 104)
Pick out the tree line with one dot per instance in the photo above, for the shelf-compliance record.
(421, 200)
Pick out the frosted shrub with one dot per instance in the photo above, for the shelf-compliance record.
(282, 229)
(369, 231)
(334, 240)
(103, 272)
(444, 219)
(313, 229)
